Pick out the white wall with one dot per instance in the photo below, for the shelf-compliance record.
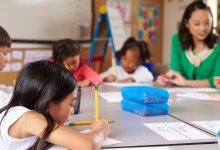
(173, 10)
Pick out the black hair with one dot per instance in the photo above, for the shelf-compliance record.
(5, 39)
(146, 50)
(65, 48)
(38, 85)
(132, 43)
(184, 33)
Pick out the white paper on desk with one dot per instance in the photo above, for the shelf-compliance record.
(108, 141)
(111, 96)
(57, 148)
(117, 84)
(166, 132)
(188, 131)
(190, 89)
(213, 126)
(198, 96)
(141, 148)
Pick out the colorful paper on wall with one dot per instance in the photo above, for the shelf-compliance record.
(148, 23)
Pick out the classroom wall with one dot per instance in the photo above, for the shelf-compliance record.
(173, 10)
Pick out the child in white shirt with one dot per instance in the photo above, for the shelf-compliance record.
(132, 57)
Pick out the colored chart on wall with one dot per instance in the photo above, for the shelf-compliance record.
(148, 23)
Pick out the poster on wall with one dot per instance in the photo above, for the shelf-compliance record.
(124, 7)
(148, 23)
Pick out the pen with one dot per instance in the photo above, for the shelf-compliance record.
(85, 123)
(96, 102)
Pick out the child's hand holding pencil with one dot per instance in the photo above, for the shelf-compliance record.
(100, 125)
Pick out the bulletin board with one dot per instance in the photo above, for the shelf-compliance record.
(148, 16)
(38, 20)
(17, 58)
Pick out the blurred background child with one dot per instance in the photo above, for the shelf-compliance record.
(132, 56)
(67, 52)
(5, 46)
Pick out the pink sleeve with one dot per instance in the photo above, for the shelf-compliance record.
(91, 75)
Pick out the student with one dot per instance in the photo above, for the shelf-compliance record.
(42, 101)
(5, 45)
(67, 52)
(195, 53)
(132, 56)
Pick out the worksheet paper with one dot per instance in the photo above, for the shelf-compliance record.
(188, 131)
(117, 84)
(213, 126)
(197, 96)
(190, 89)
(177, 131)
(111, 97)
(108, 141)
(141, 148)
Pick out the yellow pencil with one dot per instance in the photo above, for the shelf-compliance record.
(96, 102)
(65, 65)
(113, 64)
(85, 123)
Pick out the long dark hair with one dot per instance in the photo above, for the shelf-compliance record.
(38, 85)
(65, 48)
(184, 33)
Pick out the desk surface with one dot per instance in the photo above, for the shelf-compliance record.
(195, 110)
(128, 127)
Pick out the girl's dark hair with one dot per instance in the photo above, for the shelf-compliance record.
(65, 48)
(5, 39)
(184, 33)
(146, 51)
(132, 43)
(38, 85)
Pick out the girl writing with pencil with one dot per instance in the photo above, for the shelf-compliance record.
(132, 56)
(195, 53)
(42, 101)
(67, 52)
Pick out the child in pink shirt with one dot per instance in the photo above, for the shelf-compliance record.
(67, 53)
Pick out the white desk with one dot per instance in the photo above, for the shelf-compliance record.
(128, 127)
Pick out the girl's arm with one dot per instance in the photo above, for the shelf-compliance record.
(33, 124)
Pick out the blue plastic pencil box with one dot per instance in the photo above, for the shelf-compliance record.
(145, 94)
(145, 109)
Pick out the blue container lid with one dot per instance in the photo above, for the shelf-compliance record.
(145, 94)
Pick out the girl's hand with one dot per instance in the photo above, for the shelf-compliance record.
(217, 82)
(101, 125)
(126, 80)
(110, 78)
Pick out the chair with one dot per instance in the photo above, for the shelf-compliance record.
(96, 63)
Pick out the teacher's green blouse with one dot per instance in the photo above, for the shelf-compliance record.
(207, 69)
